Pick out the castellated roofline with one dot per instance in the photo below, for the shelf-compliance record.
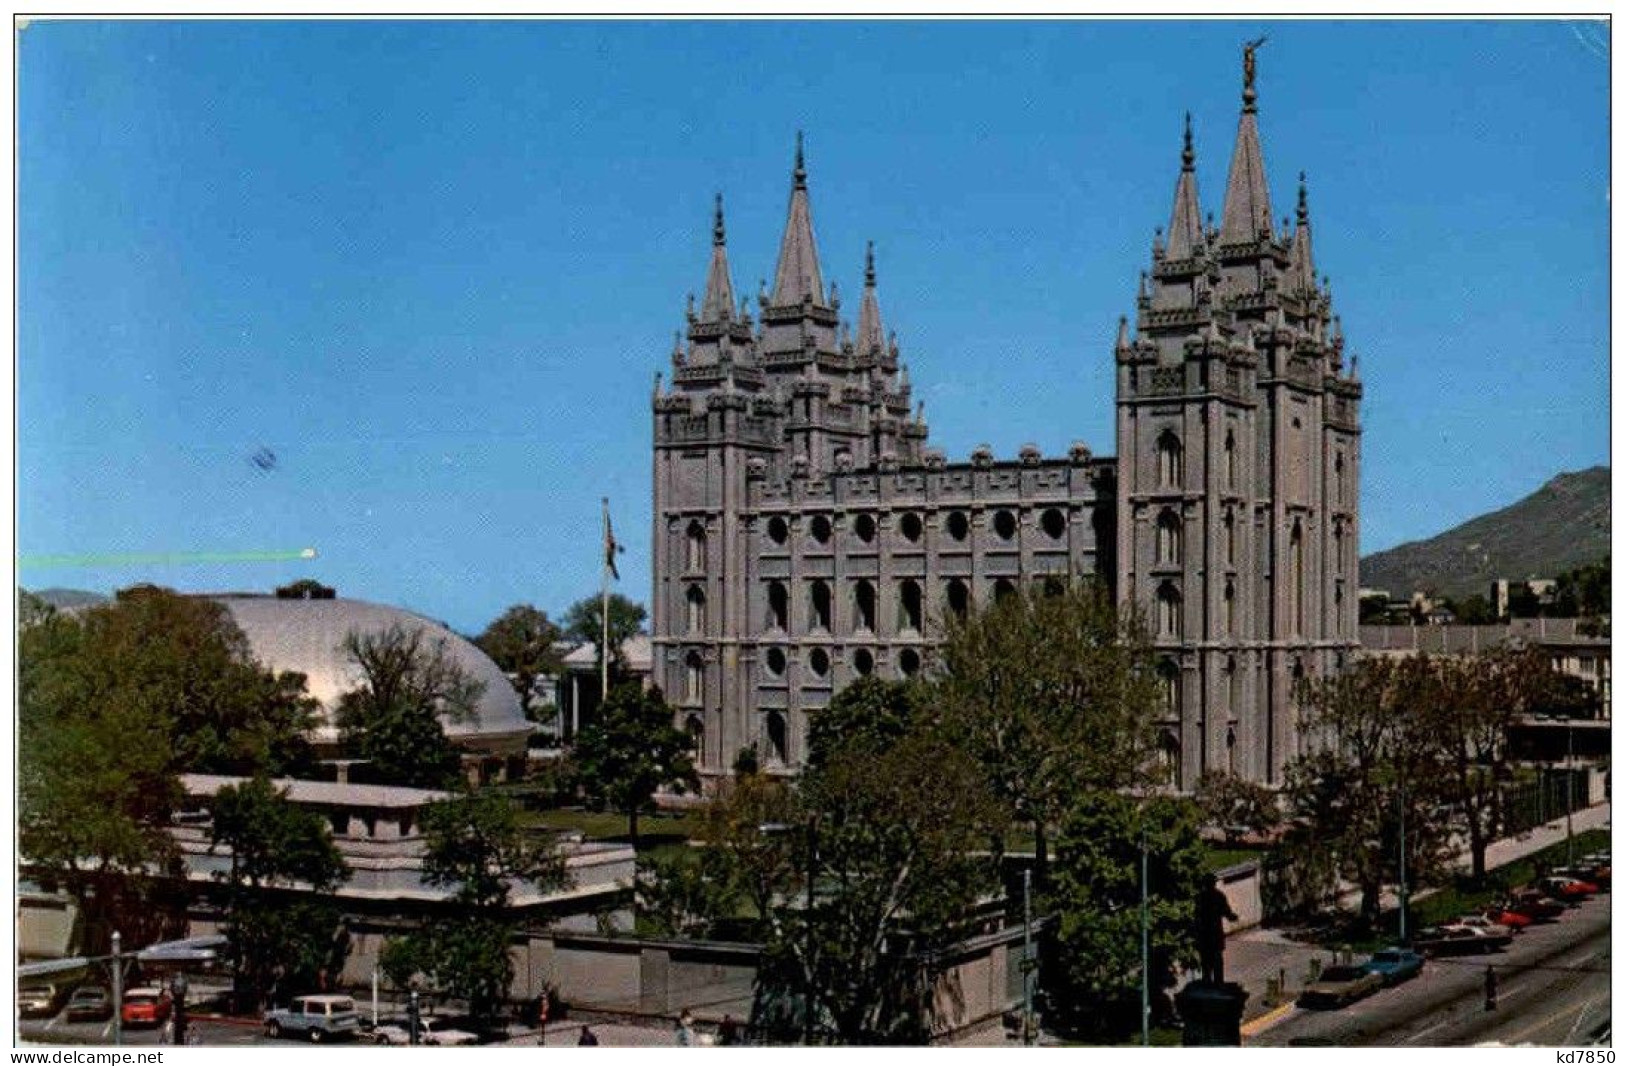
(1035, 480)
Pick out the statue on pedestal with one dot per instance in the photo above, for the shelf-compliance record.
(1212, 909)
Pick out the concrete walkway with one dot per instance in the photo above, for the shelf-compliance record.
(1255, 956)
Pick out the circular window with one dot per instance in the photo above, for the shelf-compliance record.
(819, 661)
(1004, 524)
(778, 530)
(1054, 523)
(863, 661)
(864, 527)
(820, 529)
(775, 661)
(958, 525)
(912, 527)
(909, 662)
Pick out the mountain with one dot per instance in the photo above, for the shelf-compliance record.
(70, 597)
(1561, 525)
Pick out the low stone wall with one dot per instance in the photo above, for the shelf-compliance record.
(1243, 886)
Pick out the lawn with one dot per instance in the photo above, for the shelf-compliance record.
(662, 833)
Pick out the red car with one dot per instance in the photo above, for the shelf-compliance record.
(146, 1006)
(1536, 905)
(1512, 919)
(1568, 887)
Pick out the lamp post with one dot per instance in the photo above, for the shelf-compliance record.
(1145, 937)
(177, 994)
(118, 988)
(1568, 773)
(1028, 963)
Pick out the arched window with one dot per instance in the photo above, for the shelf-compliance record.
(778, 605)
(863, 661)
(1168, 683)
(1168, 539)
(958, 598)
(864, 527)
(958, 525)
(1168, 758)
(863, 607)
(1229, 459)
(1170, 461)
(1337, 470)
(694, 678)
(1230, 536)
(1168, 613)
(696, 546)
(909, 607)
(776, 662)
(818, 661)
(1230, 749)
(1004, 524)
(1229, 608)
(818, 616)
(912, 527)
(778, 741)
(1054, 523)
(778, 530)
(1002, 588)
(909, 662)
(696, 610)
(820, 529)
(695, 728)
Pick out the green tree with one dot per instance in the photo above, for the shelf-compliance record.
(278, 943)
(1371, 753)
(114, 702)
(585, 622)
(521, 641)
(1092, 970)
(475, 846)
(632, 751)
(870, 713)
(409, 680)
(1476, 610)
(1050, 692)
(1235, 806)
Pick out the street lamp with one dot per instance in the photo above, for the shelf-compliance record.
(177, 994)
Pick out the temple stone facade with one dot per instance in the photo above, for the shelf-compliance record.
(806, 534)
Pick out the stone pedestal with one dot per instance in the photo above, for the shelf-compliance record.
(1211, 1013)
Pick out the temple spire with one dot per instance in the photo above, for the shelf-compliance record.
(798, 277)
(1185, 226)
(871, 335)
(719, 287)
(1246, 215)
(1302, 267)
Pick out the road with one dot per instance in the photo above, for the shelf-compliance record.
(1552, 990)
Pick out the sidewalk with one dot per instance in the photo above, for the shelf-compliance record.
(1253, 957)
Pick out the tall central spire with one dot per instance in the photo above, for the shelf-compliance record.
(719, 287)
(1246, 194)
(798, 276)
(871, 334)
(1185, 227)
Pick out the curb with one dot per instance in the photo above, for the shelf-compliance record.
(1265, 1021)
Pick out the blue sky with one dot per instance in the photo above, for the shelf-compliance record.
(434, 266)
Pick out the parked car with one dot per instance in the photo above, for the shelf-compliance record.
(1537, 905)
(1394, 965)
(90, 1003)
(1507, 917)
(1568, 887)
(1339, 986)
(318, 1018)
(1600, 874)
(433, 1029)
(1479, 921)
(146, 1006)
(1460, 940)
(41, 1001)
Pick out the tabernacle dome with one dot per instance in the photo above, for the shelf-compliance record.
(306, 635)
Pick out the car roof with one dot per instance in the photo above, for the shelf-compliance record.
(325, 998)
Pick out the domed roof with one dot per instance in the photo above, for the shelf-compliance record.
(307, 636)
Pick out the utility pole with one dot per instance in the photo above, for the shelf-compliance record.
(1145, 939)
(118, 989)
(1404, 893)
(1027, 962)
(1568, 772)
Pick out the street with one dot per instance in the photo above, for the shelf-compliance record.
(1552, 989)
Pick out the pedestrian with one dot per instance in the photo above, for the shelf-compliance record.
(588, 1037)
(543, 1003)
(1489, 988)
(685, 1029)
(728, 1031)
(166, 1035)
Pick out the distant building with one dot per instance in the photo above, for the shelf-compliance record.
(1503, 593)
(580, 684)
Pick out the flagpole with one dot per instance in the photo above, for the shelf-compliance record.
(603, 654)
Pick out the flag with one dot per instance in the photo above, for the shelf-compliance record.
(610, 547)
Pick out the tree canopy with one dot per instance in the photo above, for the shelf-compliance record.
(521, 641)
(584, 622)
(633, 750)
(409, 679)
(114, 703)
